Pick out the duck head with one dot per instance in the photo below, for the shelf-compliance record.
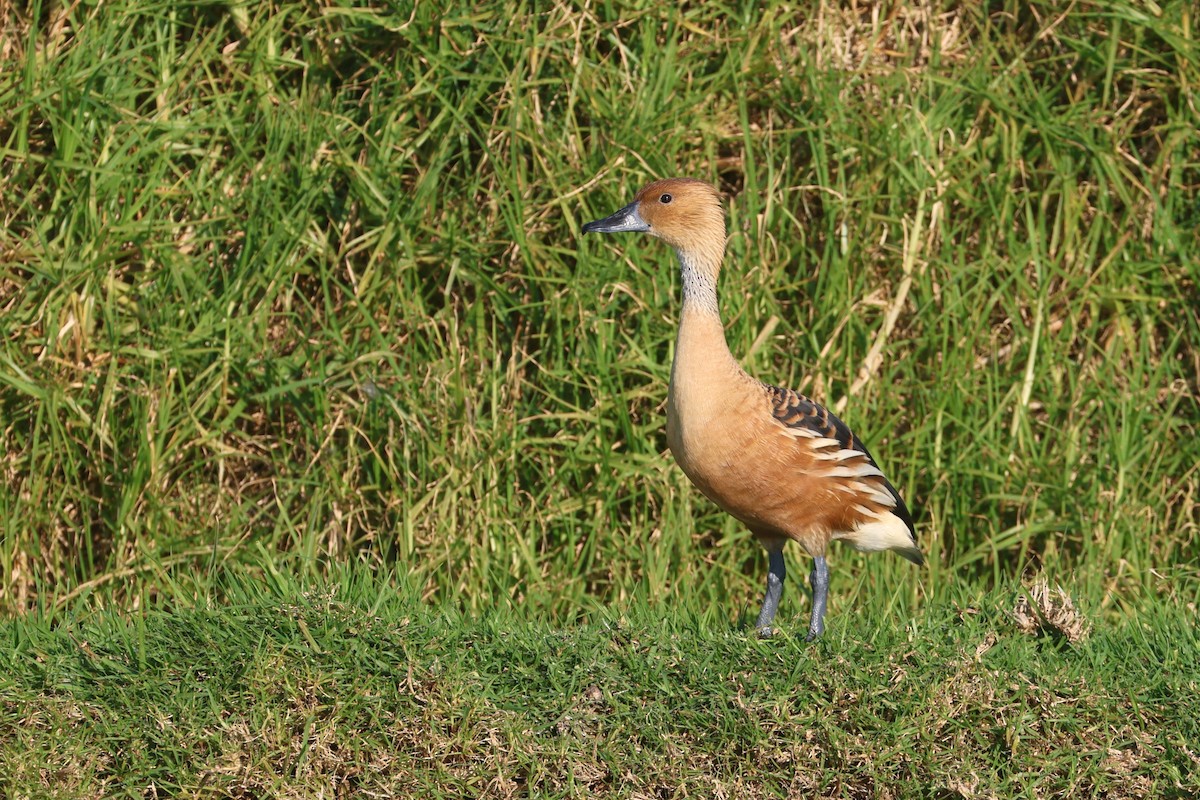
(683, 212)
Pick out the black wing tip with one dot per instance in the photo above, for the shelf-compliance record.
(901, 509)
(913, 553)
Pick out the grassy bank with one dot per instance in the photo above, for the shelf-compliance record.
(355, 688)
(306, 281)
(292, 296)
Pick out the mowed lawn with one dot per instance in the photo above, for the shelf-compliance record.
(334, 461)
(357, 689)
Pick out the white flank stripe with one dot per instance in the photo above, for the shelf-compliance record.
(840, 472)
(868, 470)
(883, 497)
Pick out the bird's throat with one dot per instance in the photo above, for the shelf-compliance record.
(699, 280)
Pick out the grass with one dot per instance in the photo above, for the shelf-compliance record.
(290, 286)
(356, 689)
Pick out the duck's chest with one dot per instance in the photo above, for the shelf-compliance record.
(717, 416)
(714, 431)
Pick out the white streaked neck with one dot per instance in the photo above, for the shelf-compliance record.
(699, 284)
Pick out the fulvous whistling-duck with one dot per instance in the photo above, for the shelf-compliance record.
(774, 459)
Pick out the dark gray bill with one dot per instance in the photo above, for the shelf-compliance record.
(627, 219)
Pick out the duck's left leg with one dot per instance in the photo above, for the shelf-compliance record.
(776, 572)
(820, 589)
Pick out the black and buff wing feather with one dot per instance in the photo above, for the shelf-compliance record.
(795, 410)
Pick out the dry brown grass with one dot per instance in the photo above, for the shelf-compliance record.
(1042, 610)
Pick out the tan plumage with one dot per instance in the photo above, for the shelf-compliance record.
(774, 459)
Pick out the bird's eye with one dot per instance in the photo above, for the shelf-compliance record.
(666, 198)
